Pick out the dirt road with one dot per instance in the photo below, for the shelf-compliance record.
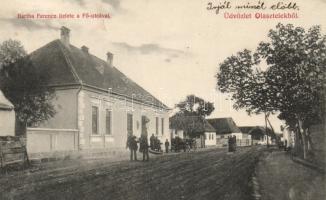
(209, 174)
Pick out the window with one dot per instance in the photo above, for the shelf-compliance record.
(162, 126)
(94, 120)
(156, 125)
(108, 125)
(129, 124)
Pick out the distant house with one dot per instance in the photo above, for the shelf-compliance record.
(97, 105)
(289, 136)
(193, 127)
(7, 116)
(246, 129)
(258, 134)
(225, 127)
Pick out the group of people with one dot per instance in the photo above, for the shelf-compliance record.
(133, 147)
(155, 145)
(178, 144)
(232, 143)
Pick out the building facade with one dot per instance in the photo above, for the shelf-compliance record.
(7, 117)
(194, 127)
(95, 102)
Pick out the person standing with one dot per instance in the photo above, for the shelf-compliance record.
(234, 143)
(132, 145)
(152, 140)
(167, 144)
(144, 147)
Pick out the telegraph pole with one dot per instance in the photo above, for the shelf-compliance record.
(266, 129)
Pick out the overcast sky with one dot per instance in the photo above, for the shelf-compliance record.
(172, 48)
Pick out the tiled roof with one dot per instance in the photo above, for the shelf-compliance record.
(5, 103)
(71, 65)
(224, 125)
(196, 123)
(246, 129)
(261, 131)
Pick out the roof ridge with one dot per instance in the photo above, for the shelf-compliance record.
(73, 70)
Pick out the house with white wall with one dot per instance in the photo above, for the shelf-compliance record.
(193, 127)
(289, 136)
(97, 105)
(7, 116)
(225, 128)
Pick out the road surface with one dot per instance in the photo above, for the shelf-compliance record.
(209, 174)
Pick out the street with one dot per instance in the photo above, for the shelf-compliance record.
(207, 174)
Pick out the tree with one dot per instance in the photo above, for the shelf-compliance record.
(246, 83)
(191, 114)
(296, 76)
(240, 76)
(25, 86)
(195, 106)
(293, 84)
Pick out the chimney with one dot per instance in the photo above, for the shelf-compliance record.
(110, 59)
(84, 49)
(65, 35)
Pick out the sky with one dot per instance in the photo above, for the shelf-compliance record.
(172, 48)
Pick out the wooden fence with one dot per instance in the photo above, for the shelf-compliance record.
(12, 151)
(223, 142)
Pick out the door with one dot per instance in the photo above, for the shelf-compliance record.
(144, 121)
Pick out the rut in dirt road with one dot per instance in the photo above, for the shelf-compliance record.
(209, 174)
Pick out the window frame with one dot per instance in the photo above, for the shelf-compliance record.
(132, 129)
(97, 120)
(162, 126)
(156, 126)
(106, 122)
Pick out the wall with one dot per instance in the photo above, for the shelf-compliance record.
(243, 142)
(7, 122)
(65, 104)
(263, 140)
(40, 140)
(238, 135)
(223, 142)
(119, 107)
(224, 136)
(210, 139)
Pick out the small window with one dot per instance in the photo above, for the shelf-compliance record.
(108, 125)
(129, 124)
(162, 126)
(156, 125)
(94, 120)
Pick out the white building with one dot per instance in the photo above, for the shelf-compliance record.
(7, 116)
(288, 136)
